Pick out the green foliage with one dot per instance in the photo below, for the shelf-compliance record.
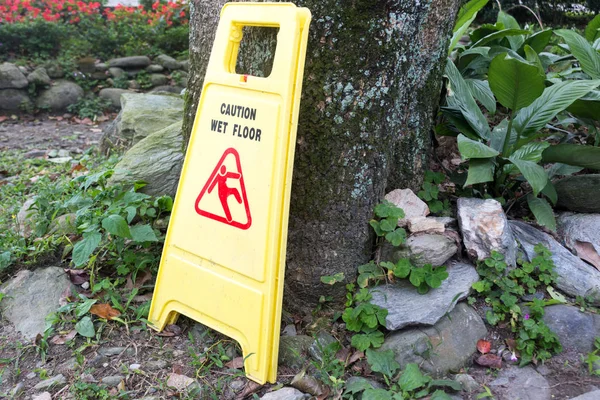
(37, 39)
(365, 319)
(333, 279)
(121, 82)
(91, 391)
(143, 79)
(430, 192)
(90, 107)
(592, 359)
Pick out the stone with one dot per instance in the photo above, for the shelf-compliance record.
(63, 225)
(17, 390)
(115, 351)
(579, 193)
(67, 366)
(87, 65)
(293, 350)
(14, 100)
(154, 68)
(575, 277)
(448, 222)
(286, 393)
(54, 70)
(30, 296)
(57, 380)
(157, 159)
(412, 205)
(101, 67)
(135, 367)
(11, 77)
(374, 384)
(157, 365)
(484, 227)
(185, 65)
(57, 97)
(140, 116)
(135, 85)
(182, 79)
(39, 77)
(446, 346)
(158, 79)
(407, 307)
(422, 249)
(179, 382)
(468, 383)
(520, 383)
(114, 95)
(112, 380)
(167, 89)
(168, 62)
(594, 395)
(132, 73)
(99, 76)
(289, 330)
(129, 62)
(98, 361)
(116, 72)
(576, 330)
(42, 396)
(26, 217)
(580, 233)
(425, 224)
(322, 341)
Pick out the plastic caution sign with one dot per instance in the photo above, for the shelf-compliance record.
(224, 255)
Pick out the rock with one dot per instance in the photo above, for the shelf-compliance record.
(309, 384)
(581, 234)
(129, 62)
(39, 77)
(425, 224)
(422, 249)
(63, 225)
(11, 77)
(237, 385)
(168, 62)
(182, 79)
(372, 382)
(115, 351)
(135, 85)
(323, 340)
(407, 307)
(24, 70)
(468, 383)
(579, 193)
(286, 393)
(17, 390)
(26, 217)
(157, 159)
(289, 330)
(158, 79)
(99, 76)
(14, 100)
(42, 396)
(87, 65)
(114, 95)
(179, 382)
(132, 73)
(185, 65)
(140, 116)
(575, 277)
(30, 296)
(98, 361)
(57, 380)
(520, 383)
(167, 89)
(34, 153)
(154, 68)
(68, 366)
(444, 347)
(62, 94)
(484, 228)
(157, 365)
(112, 380)
(293, 350)
(54, 70)
(412, 205)
(116, 72)
(595, 395)
(101, 67)
(448, 222)
(135, 367)
(575, 329)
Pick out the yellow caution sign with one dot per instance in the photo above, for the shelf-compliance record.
(224, 255)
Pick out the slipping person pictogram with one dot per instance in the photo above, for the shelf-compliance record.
(225, 191)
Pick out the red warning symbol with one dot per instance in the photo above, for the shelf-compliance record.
(223, 197)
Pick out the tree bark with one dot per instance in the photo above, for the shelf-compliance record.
(372, 84)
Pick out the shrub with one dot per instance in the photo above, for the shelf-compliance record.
(38, 38)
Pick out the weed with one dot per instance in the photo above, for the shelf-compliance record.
(90, 107)
(430, 192)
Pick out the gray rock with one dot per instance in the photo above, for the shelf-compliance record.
(581, 234)
(132, 73)
(293, 350)
(115, 351)
(425, 249)
(407, 307)
(595, 395)
(575, 329)
(39, 77)
(575, 277)
(30, 296)
(62, 94)
(114, 95)
(112, 380)
(158, 79)
(17, 390)
(154, 68)
(286, 393)
(133, 84)
(63, 225)
(101, 67)
(168, 62)
(579, 193)
(183, 78)
(11, 77)
(87, 65)
(201, 335)
(157, 159)
(99, 76)
(520, 383)
(412, 205)
(448, 222)
(68, 366)
(14, 99)
(444, 347)
(54, 70)
(116, 72)
(319, 346)
(468, 383)
(425, 224)
(140, 116)
(26, 217)
(98, 361)
(157, 365)
(185, 65)
(42, 396)
(57, 380)
(167, 89)
(484, 228)
(129, 62)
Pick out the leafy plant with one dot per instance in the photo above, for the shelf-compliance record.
(121, 82)
(90, 107)
(143, 79)
(365, 319)
(592, 358)
(430, 192)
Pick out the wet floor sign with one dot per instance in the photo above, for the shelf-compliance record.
(224, 255)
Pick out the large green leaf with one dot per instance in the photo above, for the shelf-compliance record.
(116, 226)
(499, 35)
(534, 173)
(516, 84)
(482, 93)
(499, 135)
(480, 170)
(587, 107)
(85, 247)
(533, 58)
(466, 15)
(377, 394)
(531, 151)
(553, 100)
(459, 96)
(510, 22)
(412, 378)
(542, 212)
(588, 57)
(143, 233)
(382, 361)
(573, 154)
(85, 327)
(474, 149)
(592, 30)
(538, 41)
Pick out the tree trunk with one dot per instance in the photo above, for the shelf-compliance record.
(371, 87)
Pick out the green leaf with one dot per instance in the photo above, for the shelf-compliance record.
(531, 151)
(573, 154)
(85, 327)
(357, 385)
(516, 84)
(84, 308)
(440, 395)
(592, 30)
(116, 226)
(402, 268)
(383, 362)
(333, 279)
(534, 173)
(532, 57)
(538, 41)
(377, 394)
(499, 35)
(412, 378)
(542, 211)
(510, 22)
(474, 149)
(588, 57)
(131, 211)
(499, 135)
(363, 341)
(85, 247)
(387, 209)
(480, 170)
(446, 383)
(550, 192)
(482, 93)
(553, 100)
(396, 237)
(5, 259)
(467, 11)
(587, 106)
(143, 233)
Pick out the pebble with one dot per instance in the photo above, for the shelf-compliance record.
(42, 396)
(157, 365)
(85, 285)
(236, 385)
(30, 375)
(112, 380)
(114, 351)
(135, 367)
(98, 360)
(55, 380)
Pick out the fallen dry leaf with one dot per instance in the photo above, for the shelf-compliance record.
(62, 339)
(78, 276)
(142, 298)
(587, 252)
(96, 130)
(357, 355)
(343, 355)
(490, 360)
(3, 118)
(179, 382)
(251, 387)
(140, 279)
(104, 311)
(65, 296)
(77, 167)
(511, 344)
(236, 363)
(484, 346)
